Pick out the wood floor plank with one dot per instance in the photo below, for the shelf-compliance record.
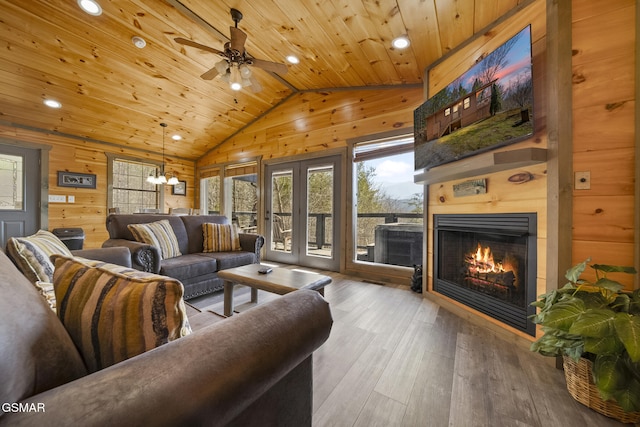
(380, 411)
(430, 398)
(344, 404)
(398, 378)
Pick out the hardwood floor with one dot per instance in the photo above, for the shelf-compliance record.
(397, 359)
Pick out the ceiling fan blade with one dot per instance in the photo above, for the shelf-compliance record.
(270, 66)
(238, 37)
(255, 85)
(198, 45)
(209, 75)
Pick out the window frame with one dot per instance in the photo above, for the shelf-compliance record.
(111, 158)
(376, 271)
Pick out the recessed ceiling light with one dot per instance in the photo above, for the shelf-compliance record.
(401, 42)
(91, 7)
(176, 137)
(52, 103)
(293, 59)
(138, 42)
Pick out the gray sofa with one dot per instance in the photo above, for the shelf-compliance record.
(196, 270)
(254, 369)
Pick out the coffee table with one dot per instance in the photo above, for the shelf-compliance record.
(280, 281)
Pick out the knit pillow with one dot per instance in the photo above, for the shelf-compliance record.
(45, 289)
(158, 234)
(112, 316)
(220, 237)
(31, 254)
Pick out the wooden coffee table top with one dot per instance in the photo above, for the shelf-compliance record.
(280, 281)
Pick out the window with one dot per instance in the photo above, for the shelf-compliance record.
(447, 112)
(130, 191)
(241, 185)
(11, 182)
(232, 190)
(455, 108)
(467, 103)
(388, 212)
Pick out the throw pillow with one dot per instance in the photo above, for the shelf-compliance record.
(111, 315)
(158, 234)
(220, 237)
(31, 254)
(46, 290)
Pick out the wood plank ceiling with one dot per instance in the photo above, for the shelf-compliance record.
(112, 91)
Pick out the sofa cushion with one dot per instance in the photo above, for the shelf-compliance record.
(31, 254)
(158, 234)
(113, 313)
(220, 237)
(188, 266)
(36, 352)
(231, 259)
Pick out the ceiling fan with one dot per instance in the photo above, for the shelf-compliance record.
(234, 67)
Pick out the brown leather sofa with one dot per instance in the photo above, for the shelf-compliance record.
(197, 271)
(248, 370)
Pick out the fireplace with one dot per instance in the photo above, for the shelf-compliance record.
(488, 262)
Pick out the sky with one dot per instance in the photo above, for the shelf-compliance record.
(395, 175)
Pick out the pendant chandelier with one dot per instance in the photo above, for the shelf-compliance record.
(162, 178)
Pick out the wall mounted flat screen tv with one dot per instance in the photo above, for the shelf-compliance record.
(489, 106)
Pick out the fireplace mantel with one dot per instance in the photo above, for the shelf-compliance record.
(495, 161)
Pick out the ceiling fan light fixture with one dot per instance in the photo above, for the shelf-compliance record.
(91, 7)
(235, 81)
(173, 180)
(222, 66)
(245, 71)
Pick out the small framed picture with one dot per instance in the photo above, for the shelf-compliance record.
(180, 189)
(78, 180)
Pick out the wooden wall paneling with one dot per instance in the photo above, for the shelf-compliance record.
(605, 216)
(313, 122)
(89, 210)
(611, 171)
(604, 126)
(603, 219)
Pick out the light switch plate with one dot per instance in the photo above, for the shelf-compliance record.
(582, 181)
(57, 199)
(71, 199)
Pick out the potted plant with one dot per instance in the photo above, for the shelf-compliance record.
(596, 323)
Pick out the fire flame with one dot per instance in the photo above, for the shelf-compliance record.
(482, 262)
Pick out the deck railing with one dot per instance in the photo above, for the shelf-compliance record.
(320, 231)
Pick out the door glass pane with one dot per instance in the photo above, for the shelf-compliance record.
(11, 182)
(244, 201)
(281, 208)
(213, 194)
(320, 211)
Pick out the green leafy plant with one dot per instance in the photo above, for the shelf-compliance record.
(600, 321)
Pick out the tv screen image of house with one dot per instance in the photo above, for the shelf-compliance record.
(489, 106)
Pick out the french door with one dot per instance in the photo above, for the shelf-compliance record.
(302, 206)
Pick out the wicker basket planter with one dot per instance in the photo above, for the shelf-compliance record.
(581, 387)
